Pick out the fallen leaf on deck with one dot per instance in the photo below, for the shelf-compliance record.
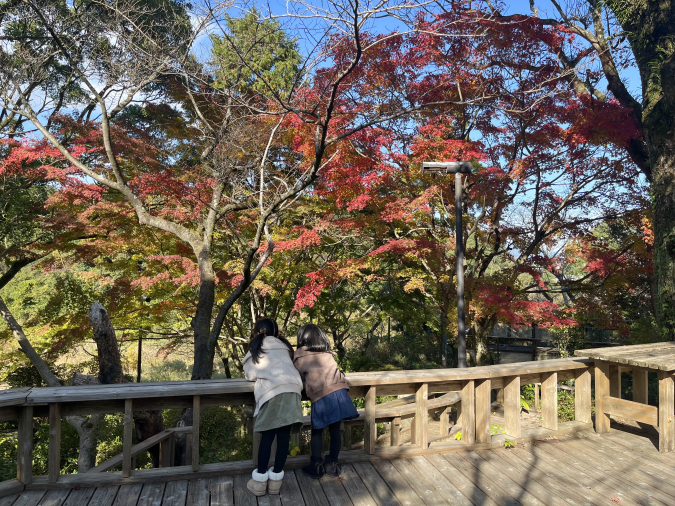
(615, 499)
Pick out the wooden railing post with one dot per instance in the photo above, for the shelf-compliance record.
(601, 389)
(666, 407)
(445, 421)
(614, 381)
(24, 464)
(582, 396)
(167, 449)
(256, 443)
(640, 386)
(512, 406)
(196, 415)
(395, 431)
(421, 419)
(54, 460)
(468, 403)
(370, 428)
(483, 405)
(536, 396)
(127, 441)
(549, 400)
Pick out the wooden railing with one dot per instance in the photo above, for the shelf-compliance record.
(475, 385)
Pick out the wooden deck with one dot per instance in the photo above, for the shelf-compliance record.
(620, 467)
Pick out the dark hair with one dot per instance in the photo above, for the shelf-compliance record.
(263, 328)
(313, 338)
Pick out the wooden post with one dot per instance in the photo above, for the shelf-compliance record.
(196, 415)
(640, 386)
(127, 441)
(500, 396)
(166, 451)
(421, 419)
(483, 405)
(54, 465)
(512, 406)
(666, 408)
(370, 428)
(601, 389)
(445, 421)
(536, 396)
(256, 447)
(348, 437)
(582, 396)
(549, 400)
(614, 381)
(395, 431)
(469, 412)
(24, 463)
(188, 450)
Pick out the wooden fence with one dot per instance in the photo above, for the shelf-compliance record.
(475, 385)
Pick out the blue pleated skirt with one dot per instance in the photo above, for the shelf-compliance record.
(334, 407)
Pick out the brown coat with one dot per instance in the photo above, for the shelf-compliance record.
(319, 373)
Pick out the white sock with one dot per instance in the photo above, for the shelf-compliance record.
(261, 477)
(275, 476)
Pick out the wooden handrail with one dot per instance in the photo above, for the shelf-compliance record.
(472, 385)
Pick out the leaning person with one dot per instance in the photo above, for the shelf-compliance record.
(326, 387)
(277, 401)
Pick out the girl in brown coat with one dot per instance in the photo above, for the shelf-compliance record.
(326, 387)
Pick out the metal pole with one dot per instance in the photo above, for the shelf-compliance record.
(140, 352)
(459, 255)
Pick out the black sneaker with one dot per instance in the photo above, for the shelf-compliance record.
(314, 469)
(332, 467)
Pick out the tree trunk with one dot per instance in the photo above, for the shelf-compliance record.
(201, 323)
(109, 359)
(482, 328)
(147, 423)
(650, 27)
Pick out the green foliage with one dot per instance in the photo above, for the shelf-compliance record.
(271, 57)
(458, 436)
(508, 443)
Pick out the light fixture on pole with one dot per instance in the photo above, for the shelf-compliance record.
(456, 168)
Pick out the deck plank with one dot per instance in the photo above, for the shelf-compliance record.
(552, 481)
(242, 495)
(222, 491)
(379, 490)
(335, 491)
(55, 497)
(30, 498)
(128, 495)
(290, 494)
(467, 488)
(397, 483)
(175, 493)
(606, 473)
(486, 485)
(269, 500)
(8, 500)
(524, 480)
(440, 482)
(355, 488)
(418, 483)
(198, 492)
(80, 497)
(573, 479)
(152, 494)
(311, 490)
(503, 480)
(589, 478)
(104, 496)
(621, 467)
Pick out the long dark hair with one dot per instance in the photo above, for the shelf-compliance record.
(263, 328)
(313, 338)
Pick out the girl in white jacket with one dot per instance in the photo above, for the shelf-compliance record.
(269, 362)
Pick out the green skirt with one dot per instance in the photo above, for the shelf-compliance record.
(280, 411)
